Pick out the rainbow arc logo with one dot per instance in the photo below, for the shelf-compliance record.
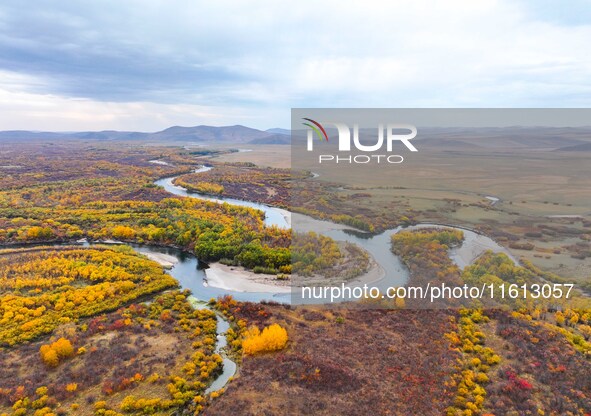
(317, 127)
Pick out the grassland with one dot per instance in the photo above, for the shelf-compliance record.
(143, 358)
(77, 338)
(345, 362)
(452, 361)
(543, 213)
(444, 186)
(399, 362)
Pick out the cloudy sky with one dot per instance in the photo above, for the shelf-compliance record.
(148, 64)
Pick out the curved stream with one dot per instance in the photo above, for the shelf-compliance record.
(190, 275)
(273, 216)
(389, 270)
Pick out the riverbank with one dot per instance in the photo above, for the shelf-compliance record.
(286, 215)
(374, 274)
(238, 279)
(165, 260)
(303, 223)
(473, 246)
(385, 269)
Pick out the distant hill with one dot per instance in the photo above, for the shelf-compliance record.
(279, 131)
(450, 144)
(228, 134)
(454, 139)
(583, 147)
(200, 134)
(89, 135)
(109, 135)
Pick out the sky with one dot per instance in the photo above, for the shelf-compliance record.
(145, 65)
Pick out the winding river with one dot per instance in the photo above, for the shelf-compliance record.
(388, 270)
(273, 216)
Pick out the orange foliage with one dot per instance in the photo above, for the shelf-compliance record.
(53, 353)
(272, 338)
(123, 232)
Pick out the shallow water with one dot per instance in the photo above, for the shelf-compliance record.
(273, 216)
(377, 245)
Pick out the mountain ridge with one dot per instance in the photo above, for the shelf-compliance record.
(200, 134)
(547, 138)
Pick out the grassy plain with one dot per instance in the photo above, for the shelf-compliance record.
(338, 361)
(544, 207)
(116, 353)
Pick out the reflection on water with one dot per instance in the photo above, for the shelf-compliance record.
(191, 275)
(360, 234)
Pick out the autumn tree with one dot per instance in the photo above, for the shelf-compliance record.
(272, 338)
(52, 354)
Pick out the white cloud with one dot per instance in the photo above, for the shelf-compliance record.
(144, 65)
(30, 111)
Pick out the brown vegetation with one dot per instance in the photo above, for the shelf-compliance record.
(345, 362)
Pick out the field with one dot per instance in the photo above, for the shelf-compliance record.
(399, 362)
(77, 338)
(275, 156)
(101, 330)
(449, 184)
(244, 181)
(445, 360)
(542, 213)
(344, 362)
